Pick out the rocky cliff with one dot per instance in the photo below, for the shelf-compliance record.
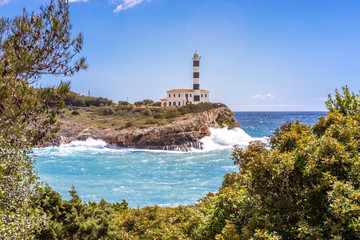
(181, 134)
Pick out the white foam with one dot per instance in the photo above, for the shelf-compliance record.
(222, 138)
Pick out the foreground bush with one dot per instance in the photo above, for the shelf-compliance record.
(306, 186)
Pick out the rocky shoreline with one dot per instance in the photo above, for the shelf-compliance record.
(179, 135)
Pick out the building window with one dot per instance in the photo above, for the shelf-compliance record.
(186, 95)
(179, 104)
(196, 98)
(201, 95)
(205, 95)
(174, 94)
(179, 94)
(174, 104)
(190, 95)
(196, 75)
(169, 104)
(169, 95)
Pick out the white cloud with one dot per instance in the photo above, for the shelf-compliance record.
(266, 96)
(78, 0)
(2, 2)
(126, 4)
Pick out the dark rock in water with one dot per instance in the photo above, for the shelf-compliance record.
(180, 135)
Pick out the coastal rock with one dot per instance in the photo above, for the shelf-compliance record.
(179, 135)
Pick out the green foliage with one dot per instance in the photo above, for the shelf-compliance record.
(76, 220)
(74, 99)
(31, 45)
(75, 113)
(156, 223)
(346, 103)
(305, 186)
(172, 113)
(147, 112)
(197, 108)
(128, 124)
(139, 103)
(156, 104)
(147, 102)
(123, 103)
(106, 111)
(225, 122)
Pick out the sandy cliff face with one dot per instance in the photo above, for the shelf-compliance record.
(181, 134)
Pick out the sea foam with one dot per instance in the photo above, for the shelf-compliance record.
(222, 138)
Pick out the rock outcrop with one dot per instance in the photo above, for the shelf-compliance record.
(181, 134)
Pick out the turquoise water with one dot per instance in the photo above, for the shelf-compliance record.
(144, 177)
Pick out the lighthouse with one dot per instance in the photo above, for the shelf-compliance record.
(196, 76)
(184, 96)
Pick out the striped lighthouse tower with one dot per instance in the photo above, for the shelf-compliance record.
(196, 76)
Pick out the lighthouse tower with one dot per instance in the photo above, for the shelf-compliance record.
(196, 77)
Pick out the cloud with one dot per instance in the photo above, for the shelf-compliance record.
(2, 2)
(266, 96)
(126, 4)
(78, 0)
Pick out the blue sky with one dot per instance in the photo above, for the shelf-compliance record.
(257, 55)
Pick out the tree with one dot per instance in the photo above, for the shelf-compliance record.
(305, 186)
(147, 102)
(31, 46)
(139, 103)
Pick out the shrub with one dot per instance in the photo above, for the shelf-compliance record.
(123, 103)
(172, 113)
(139, 103)
(156, 104)
(147, 112)
(147, 102)
(75, 113)
(304, 185)
(106, 111)
(159, 116)
(128, 124)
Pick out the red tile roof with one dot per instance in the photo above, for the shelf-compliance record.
(184, 90)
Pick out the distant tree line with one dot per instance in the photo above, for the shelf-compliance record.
(75, 99)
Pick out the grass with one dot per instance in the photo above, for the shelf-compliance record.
(118, 117)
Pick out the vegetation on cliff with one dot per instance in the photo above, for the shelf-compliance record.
(101, 113)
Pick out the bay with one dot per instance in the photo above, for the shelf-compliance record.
(145, 177)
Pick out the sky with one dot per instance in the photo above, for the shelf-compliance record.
(257, 55)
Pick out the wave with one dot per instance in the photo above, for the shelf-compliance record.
(222, 138)
(219, 139)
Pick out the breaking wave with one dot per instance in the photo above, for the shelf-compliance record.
(222, 138)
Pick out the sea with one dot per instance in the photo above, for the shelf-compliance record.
(98, 170)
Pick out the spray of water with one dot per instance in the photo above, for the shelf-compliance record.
(221, 138)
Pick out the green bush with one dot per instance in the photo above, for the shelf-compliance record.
(128, 124)
(172, 113)
(147, 112)
(147, 102)
(74, 99)
(75, 113)
(139, 103)
(304, 185)
(106, 111)
(123, 103)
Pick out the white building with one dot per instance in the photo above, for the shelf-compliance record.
(182, 97)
